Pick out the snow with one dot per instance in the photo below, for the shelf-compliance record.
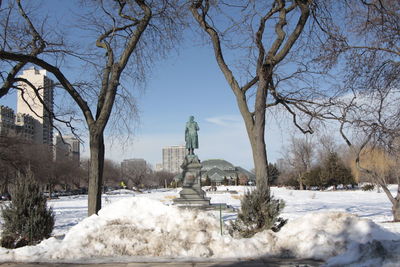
(341, 227)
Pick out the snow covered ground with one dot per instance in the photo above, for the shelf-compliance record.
(341, 227)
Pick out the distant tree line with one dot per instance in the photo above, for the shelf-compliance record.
(307, 165)
(143, 177)
(323, 163)
(18, 155)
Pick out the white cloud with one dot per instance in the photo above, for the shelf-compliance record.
(226, 120)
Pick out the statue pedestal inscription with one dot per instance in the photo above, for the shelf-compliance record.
(191, 193)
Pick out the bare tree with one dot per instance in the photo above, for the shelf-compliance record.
(112, 173)
(137, 175)
(267, 35)
(300, 156)
(129, 33)
(17, 155)
(13, 35)
(367, 47)
(10, 160)
(163, 178)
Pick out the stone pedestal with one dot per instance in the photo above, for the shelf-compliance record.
(192, 194)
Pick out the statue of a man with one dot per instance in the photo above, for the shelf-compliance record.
(191, 138)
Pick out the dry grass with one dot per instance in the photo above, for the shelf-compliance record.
(170, 197)
(237, 197)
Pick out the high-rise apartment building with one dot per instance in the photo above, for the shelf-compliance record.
(173, 157)
(38, 104)
(20, 126)
(25, 126)
(67, 147)
(7, 121)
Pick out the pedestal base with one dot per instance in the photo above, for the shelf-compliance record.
(192, 197)
(192, 194)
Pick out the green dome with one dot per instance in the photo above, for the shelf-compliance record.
(217, 163)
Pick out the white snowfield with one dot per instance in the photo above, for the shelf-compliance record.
(338, 227)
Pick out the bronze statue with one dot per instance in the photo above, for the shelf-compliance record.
(191, 138)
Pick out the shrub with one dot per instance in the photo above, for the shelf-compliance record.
(207, 181)
(259, 211)
(368, 187)
(273, 174)
(27, 220)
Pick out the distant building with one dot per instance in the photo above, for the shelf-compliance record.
(67, 147)
(173, 157)
(37, 104)
(7, 121)
(217, 170)
(25, 126)
(21, 125)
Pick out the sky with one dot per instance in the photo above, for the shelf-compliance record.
(185, 83)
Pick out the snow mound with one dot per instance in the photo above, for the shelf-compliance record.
(340, 237)
(141, 227)
(145, 227)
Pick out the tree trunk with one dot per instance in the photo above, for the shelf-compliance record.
(301, 181)
(50, 190)
(394, 200)
(95, 172)
(257, 134)
(259, 156)
(396, 210)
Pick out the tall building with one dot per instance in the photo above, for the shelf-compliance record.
(38, 104)
(21, 125)
(25, 126)
(7, 121)
(173, 157)
(67, 147)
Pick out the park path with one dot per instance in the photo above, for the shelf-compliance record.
(271, 262)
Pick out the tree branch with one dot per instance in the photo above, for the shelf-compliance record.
(201, 19)
(57, 73)
(305, 13)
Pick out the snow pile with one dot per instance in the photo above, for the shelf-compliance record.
(340, 237)
(140, 227)
(145, 227)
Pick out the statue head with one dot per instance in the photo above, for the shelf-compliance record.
(191, 118)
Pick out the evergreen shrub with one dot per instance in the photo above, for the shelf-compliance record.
(27, 220)
(207, 182)
(368, 187)
(259, 211)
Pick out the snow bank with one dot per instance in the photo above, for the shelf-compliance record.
(145, 227)
(340, 238)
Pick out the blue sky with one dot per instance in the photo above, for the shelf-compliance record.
(187, 83)
(184, 84)
(190, 83)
